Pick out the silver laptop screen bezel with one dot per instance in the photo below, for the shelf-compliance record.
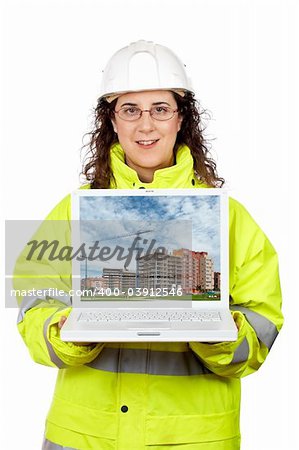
(155, 303)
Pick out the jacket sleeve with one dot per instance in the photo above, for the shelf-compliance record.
(255, 300)
(43, 285)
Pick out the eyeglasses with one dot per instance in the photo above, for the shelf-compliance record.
(131, 113)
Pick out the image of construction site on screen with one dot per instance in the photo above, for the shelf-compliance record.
(159, 247)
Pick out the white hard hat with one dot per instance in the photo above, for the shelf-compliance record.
(143, 66)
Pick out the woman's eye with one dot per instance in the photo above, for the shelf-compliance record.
(131, 111)
(161, 109)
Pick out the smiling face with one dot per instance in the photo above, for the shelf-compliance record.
(148, 143)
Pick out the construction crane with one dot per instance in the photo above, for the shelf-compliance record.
(137, 233)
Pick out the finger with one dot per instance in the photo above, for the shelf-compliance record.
(61, 321)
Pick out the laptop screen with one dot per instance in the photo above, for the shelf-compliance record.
(145, 245)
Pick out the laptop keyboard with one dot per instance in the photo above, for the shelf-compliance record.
(165, 316)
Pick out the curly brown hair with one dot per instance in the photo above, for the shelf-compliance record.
(96, 165)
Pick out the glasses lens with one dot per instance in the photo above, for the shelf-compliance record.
(162, 113)
(129, 113)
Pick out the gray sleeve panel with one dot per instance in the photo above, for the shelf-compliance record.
(54, 358)
(48, 445)
(29, 302)
(265, 330)
(242, 352)
(129, 360)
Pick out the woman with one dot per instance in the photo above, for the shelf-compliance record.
(185, 396)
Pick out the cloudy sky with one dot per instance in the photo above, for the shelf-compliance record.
(173, 222)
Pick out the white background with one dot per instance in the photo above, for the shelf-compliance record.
(243, 59)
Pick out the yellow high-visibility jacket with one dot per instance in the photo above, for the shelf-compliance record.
(182, 396)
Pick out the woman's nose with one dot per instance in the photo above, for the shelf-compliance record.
(146, 122)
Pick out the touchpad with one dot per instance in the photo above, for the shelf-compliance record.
(148, 325)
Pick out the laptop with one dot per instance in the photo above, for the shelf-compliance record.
(151, 265)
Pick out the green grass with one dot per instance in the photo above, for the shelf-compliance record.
(194, 297)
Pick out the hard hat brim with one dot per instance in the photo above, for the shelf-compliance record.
(111, 97)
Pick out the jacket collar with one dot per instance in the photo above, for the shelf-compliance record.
(180, 175)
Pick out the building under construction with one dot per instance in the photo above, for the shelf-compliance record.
(119, 278)
(159, 270)
(183, 268)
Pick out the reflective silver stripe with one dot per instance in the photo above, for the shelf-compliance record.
(265, 330)
(29, 302)
(151, 362)
(242, 352)
(54, 358)
(48, 445)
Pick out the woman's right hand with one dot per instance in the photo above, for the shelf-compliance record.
(61, 322)
(60, 325)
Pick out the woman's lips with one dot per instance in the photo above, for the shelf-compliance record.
(147, 143)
